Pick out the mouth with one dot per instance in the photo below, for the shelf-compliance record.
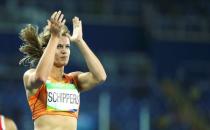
(64, 57)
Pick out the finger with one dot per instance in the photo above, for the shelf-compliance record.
(61, 18)
(53, 15)
(57, 15)
(80, 24)
(76, 18)
(74, 22)
(77, 23)
(48, 23)
(63, 22)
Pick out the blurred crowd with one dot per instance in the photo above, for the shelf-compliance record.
(156, 54)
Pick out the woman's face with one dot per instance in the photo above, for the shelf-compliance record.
(62, 52)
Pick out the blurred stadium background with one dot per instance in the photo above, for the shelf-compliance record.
(156, 54)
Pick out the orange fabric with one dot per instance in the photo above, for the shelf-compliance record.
(38, 102)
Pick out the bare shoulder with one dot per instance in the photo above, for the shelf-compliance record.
(26, 77)
(28, 72)
(75, 73)
(10, 124)
(85, 80)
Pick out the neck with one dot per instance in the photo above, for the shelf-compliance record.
(57, 73)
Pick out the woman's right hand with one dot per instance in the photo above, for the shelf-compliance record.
(55, 23)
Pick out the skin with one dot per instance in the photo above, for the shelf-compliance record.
(10, 124)
(55, 57)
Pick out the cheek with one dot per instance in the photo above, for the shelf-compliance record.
(56, 56)
(69, 52)
(56, 59)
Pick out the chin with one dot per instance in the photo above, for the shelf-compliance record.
(65, 64)
(61, 64)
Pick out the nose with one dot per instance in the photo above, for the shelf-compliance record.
(63, 51)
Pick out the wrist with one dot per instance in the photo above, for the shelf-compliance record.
(54, 36)
(80, 41)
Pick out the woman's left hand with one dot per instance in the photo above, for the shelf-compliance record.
(77, 35)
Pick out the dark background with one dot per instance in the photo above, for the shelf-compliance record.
(156, 55)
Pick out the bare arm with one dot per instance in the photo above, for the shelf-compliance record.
(10, 124)
(35, 77)
(96, 72)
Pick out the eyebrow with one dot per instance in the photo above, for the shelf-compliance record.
(64, 44)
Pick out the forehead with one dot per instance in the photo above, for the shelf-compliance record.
(64, 40)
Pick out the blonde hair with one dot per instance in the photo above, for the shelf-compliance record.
(33, 43)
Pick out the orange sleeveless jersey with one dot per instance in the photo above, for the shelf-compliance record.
(38, 102)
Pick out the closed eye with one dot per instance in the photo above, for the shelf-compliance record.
(67, 46)
(59, 46)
